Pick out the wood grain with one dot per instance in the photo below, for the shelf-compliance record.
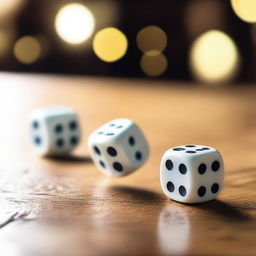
(67, 207)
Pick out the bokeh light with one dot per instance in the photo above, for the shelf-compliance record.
(151, 38)
(74, 23)
(245, 9)
(153, 63)
(27, 50)
(110, 44)
(8, 7)
(214, 57)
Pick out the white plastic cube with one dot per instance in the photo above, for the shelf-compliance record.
(54, 130)
(192, 173)
(118, 148)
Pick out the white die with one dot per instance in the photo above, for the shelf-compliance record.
(118, 147)
(54, 130)
(192, 173)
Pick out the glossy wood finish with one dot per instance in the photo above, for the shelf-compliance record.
(67, 207)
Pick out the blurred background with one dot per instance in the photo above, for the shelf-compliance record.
(212, 41)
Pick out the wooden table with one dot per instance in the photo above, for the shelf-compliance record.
(68, 207)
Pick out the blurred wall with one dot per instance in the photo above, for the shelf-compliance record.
(156, 39)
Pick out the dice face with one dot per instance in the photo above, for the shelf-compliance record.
(54, 130)
(118, 148)
(192, 173)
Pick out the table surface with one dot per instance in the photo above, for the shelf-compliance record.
(68, 207)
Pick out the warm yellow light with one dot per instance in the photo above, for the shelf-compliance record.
(7, 7)
(214, 57)
(153, 63)
(151, 38)
(27, 50)
(110, 44)
(245, 9)
(74, 23)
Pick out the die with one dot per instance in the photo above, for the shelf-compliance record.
(192, 173)
(54, 130)
(118, 148)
